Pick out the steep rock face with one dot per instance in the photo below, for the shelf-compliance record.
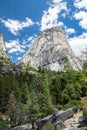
(50, 49)
(3, 52)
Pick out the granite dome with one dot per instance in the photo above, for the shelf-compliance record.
(50, 49)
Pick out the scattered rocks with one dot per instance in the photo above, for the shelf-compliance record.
(77, 122)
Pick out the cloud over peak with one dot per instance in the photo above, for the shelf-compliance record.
(69, 31)
(50, 16)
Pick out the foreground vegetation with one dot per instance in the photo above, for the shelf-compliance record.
(30, 95)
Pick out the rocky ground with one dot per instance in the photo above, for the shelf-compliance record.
(73, 123)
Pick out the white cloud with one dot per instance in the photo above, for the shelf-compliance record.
(56, 1)
(60, 24)
(82, 16)
(81, 12)
(15, 26)
(23, 46)
(63, 15)
(79, 44)
(30, 38)
(80, 4)
(50, 16)
(18, 58)
(69, 31)
(14, 46)
(24, 42)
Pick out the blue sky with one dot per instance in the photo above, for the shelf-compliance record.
(22, 20)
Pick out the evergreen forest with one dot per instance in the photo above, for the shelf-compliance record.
(31, 94)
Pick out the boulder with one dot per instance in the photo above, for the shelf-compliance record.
(42, 122)
(64, 115)
(22, 127)
(83, 121)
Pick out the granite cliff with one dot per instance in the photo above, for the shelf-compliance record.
(5, 63)
(3, 53)
(50, 49)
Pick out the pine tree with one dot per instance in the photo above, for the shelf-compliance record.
(45, 102)
(33, 111)
(11, 109)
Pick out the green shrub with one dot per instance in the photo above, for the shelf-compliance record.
(59, 106)
(84, 111)
(73, 103)
(48, 126)
(4, 124)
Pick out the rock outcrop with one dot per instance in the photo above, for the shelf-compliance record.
(83, 121)
(3, 53)
(13, 68)
(70, 119)
(57, 119)
(51, 50)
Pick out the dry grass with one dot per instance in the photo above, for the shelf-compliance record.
(84, 100)
(83, 128)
